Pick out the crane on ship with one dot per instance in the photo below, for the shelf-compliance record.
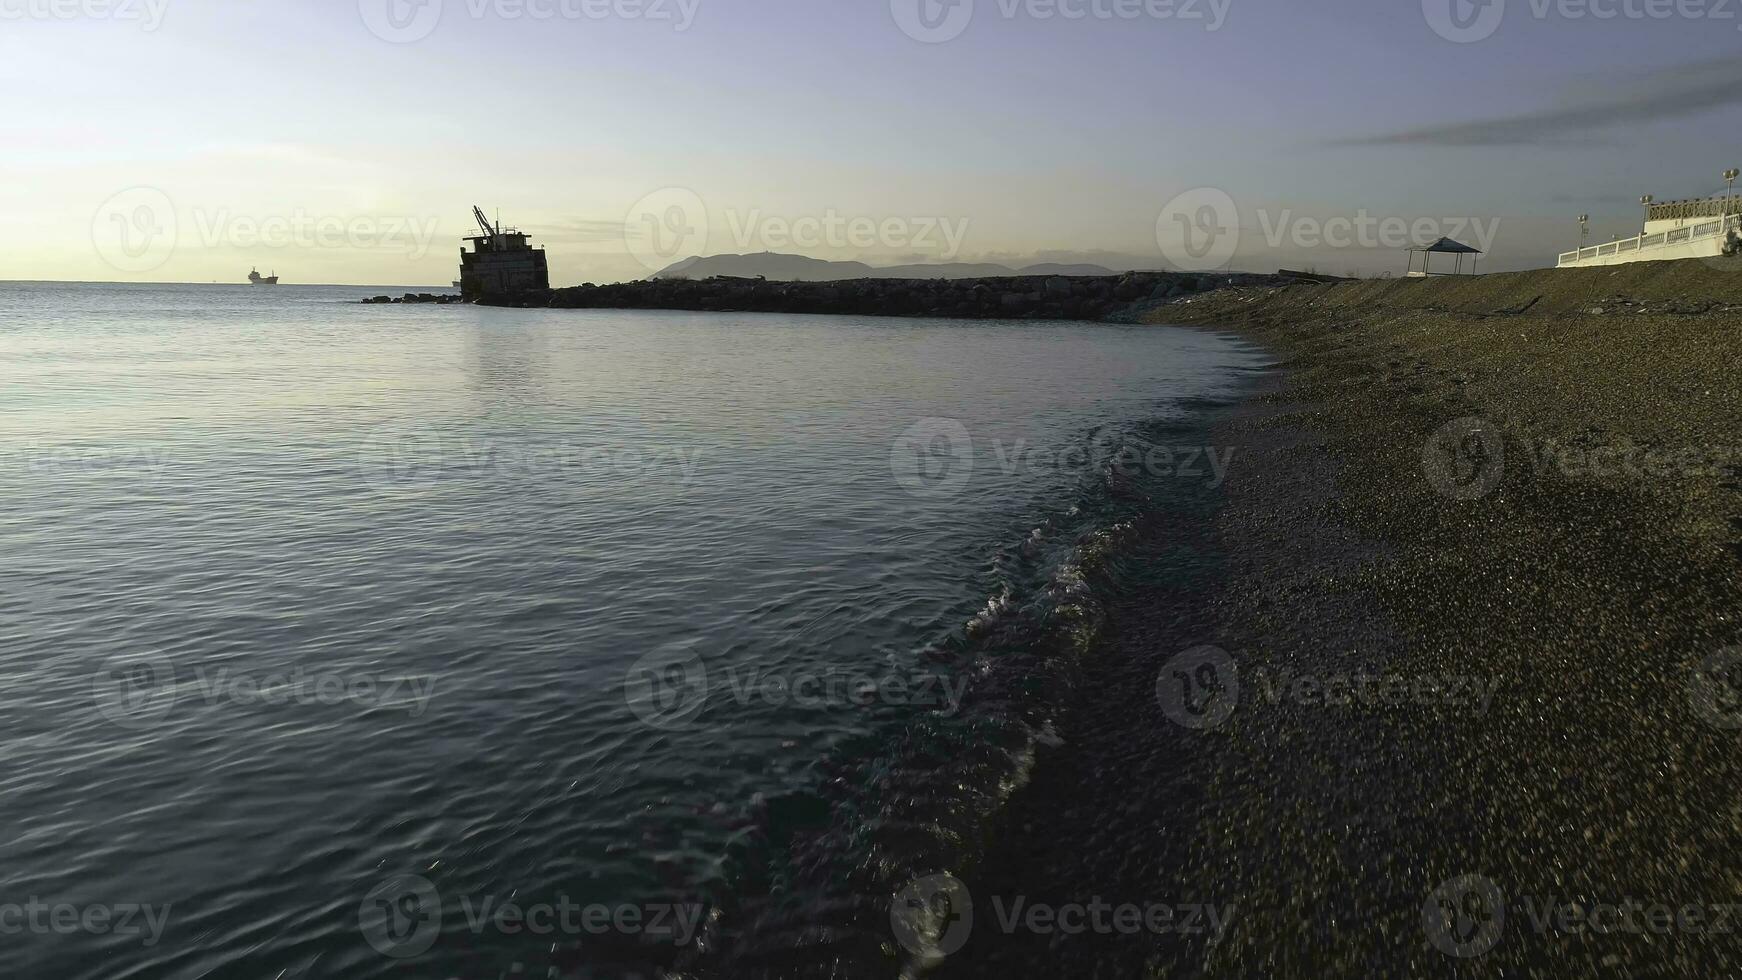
(494, 233)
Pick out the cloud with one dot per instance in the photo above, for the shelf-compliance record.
(582, 231)
(1681, 91)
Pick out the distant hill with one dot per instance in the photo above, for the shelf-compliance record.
(799, 268)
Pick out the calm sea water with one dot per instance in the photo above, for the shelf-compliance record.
(332, 631)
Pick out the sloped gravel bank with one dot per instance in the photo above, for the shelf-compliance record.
(1458, 690)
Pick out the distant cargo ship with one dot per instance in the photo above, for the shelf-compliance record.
(257, 279)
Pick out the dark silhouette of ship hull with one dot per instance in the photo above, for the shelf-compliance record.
(256, 279)
(502, 269)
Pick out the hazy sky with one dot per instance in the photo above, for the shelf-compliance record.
(345, 142)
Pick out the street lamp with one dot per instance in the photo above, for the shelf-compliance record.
(1584, 229)
(1647, 201)
(1730, 194)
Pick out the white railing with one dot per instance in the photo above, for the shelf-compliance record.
(1663, 239)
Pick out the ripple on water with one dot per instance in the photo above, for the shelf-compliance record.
(510, 508)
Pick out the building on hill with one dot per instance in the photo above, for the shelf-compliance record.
(1698, 228)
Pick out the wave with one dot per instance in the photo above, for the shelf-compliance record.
(811, 881)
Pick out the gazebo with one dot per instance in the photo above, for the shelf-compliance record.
(1443, 246)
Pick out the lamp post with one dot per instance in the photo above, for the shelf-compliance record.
(1584, 229)
(1646, 202)
(1730, 194)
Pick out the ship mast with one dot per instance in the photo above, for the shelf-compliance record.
(493, 233)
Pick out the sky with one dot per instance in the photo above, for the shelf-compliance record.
(345, 141)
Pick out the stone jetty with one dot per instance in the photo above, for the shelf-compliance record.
(1013, 297)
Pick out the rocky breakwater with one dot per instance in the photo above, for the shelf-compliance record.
(1015, 297)
(440, 299)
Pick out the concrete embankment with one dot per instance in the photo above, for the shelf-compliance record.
(1016, 297)
(1502, 517)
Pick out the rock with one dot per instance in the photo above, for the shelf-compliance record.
(1088, 297)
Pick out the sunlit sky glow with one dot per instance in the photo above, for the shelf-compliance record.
(290, 136)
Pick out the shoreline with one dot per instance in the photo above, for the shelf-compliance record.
(1581, 578)
(927, 800)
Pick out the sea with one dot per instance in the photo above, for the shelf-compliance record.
(349, 640)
